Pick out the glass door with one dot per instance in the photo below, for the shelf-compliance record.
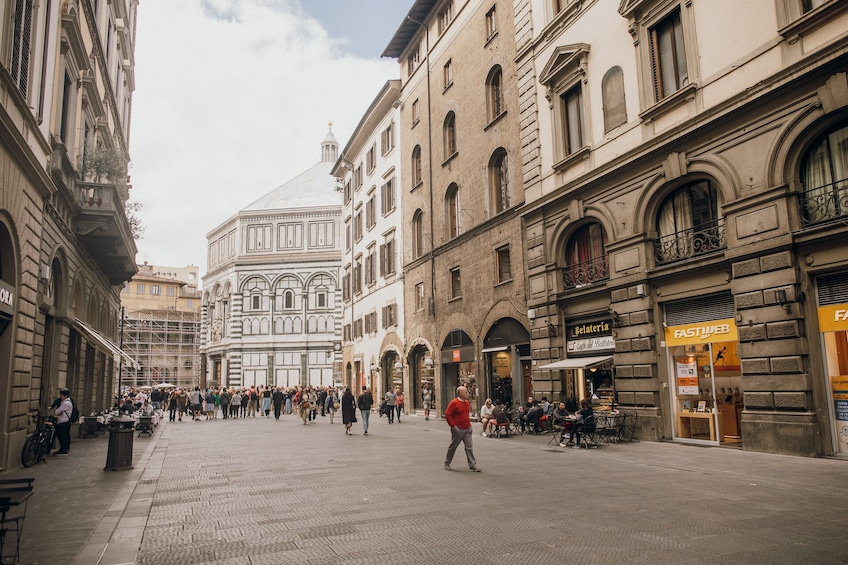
(705, 393)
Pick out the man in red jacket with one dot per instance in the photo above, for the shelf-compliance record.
(457, 416)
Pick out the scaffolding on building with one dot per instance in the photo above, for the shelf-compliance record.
(166, 344)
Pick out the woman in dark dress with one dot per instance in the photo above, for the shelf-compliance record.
(348, 410)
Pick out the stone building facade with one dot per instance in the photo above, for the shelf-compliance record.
(368, 172)
(271, 312)
(464, 287)
(686, 202)
(66, 245)
(161, 326)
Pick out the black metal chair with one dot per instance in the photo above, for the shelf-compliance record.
(14, 494)
(587, 432)
(145, 425)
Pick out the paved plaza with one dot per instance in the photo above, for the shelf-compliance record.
(259, 491)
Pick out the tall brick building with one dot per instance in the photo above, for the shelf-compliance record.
(464, 287)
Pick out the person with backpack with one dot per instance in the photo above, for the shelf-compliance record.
(63, 421)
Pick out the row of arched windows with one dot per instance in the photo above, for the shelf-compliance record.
(689, 220)
(500, 196)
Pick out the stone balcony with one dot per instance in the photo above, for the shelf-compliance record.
(102, 227)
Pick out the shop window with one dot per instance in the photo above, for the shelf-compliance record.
(586, 257)
(824, 176)
(688, 223)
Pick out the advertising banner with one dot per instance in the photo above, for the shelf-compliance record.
(714, 331)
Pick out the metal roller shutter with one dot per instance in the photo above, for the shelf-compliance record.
(833, 289)
(700, 309)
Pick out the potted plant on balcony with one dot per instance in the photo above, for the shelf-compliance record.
(102, 163)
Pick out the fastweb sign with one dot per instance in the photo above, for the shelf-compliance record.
(714, 331)
(833, 318)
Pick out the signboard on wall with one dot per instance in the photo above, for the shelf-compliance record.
(588, 337)
(833, 318)
(714, 331)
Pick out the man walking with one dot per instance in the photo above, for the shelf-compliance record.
(364, 403)
(391, 398)
(457, 416)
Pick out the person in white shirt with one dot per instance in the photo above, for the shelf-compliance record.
(63, 422)
(487, 417)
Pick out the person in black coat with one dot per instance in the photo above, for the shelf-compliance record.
(348, 410)
(277, 399)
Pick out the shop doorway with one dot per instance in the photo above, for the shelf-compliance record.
(705, 374)
(707, 397)
(833, 325)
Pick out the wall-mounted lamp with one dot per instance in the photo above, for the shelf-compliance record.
(398, 366)
(616, 319)
(780, 297)
(373, 368)
(428, 362)
(552, 330)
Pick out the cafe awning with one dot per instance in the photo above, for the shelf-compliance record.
(576, 363)
(105, 342)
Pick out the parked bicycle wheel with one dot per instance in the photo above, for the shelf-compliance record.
(31, 451)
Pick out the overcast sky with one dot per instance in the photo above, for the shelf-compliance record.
(233, 98)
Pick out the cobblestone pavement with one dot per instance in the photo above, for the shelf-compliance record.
(259, 491)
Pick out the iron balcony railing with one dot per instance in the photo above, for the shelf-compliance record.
(690, 243)
(586, 273)
(824, 203)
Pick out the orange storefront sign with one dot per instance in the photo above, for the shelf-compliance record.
(833, 318)
(714, 331)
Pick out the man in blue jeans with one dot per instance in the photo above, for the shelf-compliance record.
(364, 403)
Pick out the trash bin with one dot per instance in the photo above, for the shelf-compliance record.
(120, 453)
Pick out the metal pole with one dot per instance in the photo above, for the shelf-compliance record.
(121, 357)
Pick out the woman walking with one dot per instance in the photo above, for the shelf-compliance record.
(330, 405)
(266, 401)
(348, 410)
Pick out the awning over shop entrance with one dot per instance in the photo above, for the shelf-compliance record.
(493, 349)
(105, 342)
(576, 363)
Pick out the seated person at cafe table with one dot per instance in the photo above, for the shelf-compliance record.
(566, 420)
(583, 414)
(486, 417)
(531, 418)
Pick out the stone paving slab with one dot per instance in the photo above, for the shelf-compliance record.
(259, 491)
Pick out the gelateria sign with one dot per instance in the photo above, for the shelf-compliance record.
(714, 331)
(590, 336)
(833, 318)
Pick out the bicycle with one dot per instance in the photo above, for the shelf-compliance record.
(39, 444)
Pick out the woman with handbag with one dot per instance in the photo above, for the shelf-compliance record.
(348, 410)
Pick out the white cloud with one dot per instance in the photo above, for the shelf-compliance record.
(232, 100)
